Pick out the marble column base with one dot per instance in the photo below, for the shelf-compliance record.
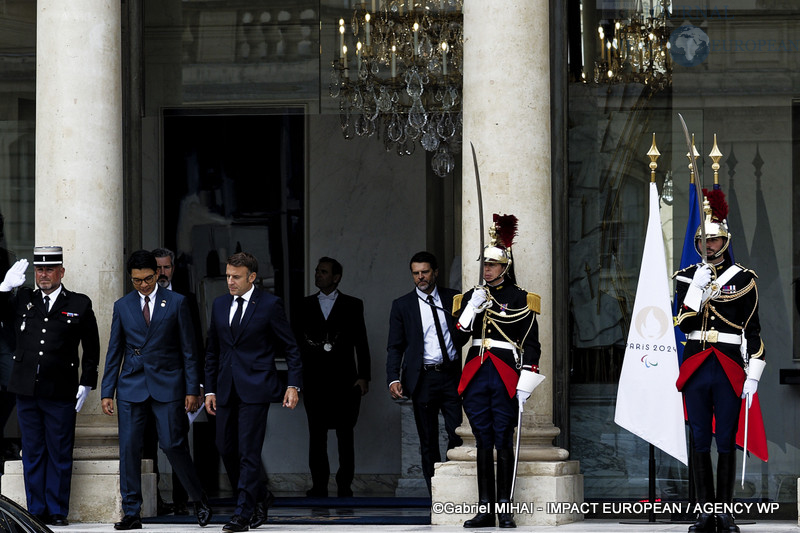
(538, 483)
(95, 495)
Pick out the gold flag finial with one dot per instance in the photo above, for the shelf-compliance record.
(653, 153)
(689, 156)
(715, 156)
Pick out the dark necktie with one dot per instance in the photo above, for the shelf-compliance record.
(46, 304)
(439, 333)
(237, 317)
(146, 310)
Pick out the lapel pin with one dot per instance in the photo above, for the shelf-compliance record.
(163, 303)
(29, 306)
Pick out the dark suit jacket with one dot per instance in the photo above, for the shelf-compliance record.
(46, 360)
(406, 344)
(329, 376)
(155, 361)
(248, 361)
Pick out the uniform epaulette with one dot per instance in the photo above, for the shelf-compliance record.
(457, 303)
(745, 269)
(534, 302)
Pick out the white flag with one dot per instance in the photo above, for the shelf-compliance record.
(648, 403)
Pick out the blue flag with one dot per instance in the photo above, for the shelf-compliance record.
(689, 257)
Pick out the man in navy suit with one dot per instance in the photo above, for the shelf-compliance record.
(151, 365)
(336, 373)
(423, 360)
(248, 330)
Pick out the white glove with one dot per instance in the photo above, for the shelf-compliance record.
(528, 381)
(83, 393)
(479, 298)
(15, 276)
(749, 389)
(697, 294)
(702, 276)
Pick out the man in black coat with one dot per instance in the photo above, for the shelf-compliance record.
(336, 374)
(423, 361)
(51, 322)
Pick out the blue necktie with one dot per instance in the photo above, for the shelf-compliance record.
(237, 317)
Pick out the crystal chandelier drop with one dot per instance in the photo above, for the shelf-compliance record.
(398, 76)
(636, 49)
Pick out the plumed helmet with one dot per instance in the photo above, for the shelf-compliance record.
(502, 233)
(715, 223)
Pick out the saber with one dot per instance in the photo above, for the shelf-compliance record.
(516, 451)
(746, 431)
(480, 209)
(698, 190)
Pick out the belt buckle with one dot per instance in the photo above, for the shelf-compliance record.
(712, 335)
(486, 343)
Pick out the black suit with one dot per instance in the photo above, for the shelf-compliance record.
(332, 399)
(241, 372)
(433, 389)
(45, 378)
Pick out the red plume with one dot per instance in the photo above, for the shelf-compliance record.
(506, 229)
(716, 200)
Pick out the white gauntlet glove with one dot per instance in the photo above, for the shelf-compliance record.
(477, 303)
(15, 276)
(528, 381)
(754, 370)
(695, 294)
(83, 393)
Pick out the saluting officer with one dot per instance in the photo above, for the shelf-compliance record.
(50, 379)
(500, 368)
(723, 359)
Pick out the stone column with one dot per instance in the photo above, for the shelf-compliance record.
(507, 119)
(79, 206)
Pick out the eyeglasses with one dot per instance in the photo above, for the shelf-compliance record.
(148, 280)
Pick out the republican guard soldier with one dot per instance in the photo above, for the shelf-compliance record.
(49, 377)
(723, 358)
(500, 368)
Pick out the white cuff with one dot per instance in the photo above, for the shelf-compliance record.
(467, 317)
(529, 380)
(755, 368)
(693, 298)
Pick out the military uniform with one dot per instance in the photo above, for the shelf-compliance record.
(45, 376)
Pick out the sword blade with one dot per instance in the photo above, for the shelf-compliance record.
(746, 431)
(698, 189)
(516, 452)
(480, 210)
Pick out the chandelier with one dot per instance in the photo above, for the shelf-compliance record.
(398, 76)
(636, 49)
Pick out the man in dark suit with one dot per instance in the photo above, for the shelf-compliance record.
(423, 361)
(248, 330)
(333, 337)
(151, 365)
(51, 322)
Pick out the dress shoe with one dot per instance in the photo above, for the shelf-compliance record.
(480, 520)
(237, 523)
(203, 512)
(129, 521)
(261, 511)
(44, 518)
(58, 520)
(180, 509)
(316, 492)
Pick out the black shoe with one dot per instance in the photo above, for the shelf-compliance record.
(58, 520)
(180, 509)
(129, 521)
(704, 524)
(163, 508)
(261, 512)
(237, 523)
(725, 524)
(203, 512)
(316, 492)
(44, 518)
(480, 520)
(506, 520)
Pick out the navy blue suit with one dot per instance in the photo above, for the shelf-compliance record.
(152, 368)
(241, 372)
(431, 391)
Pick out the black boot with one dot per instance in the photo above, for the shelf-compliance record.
(704, 484)
(485, 516)
(726, 477)
(505, 476)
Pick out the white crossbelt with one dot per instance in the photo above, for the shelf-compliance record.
(491, 343)
(715, 336)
